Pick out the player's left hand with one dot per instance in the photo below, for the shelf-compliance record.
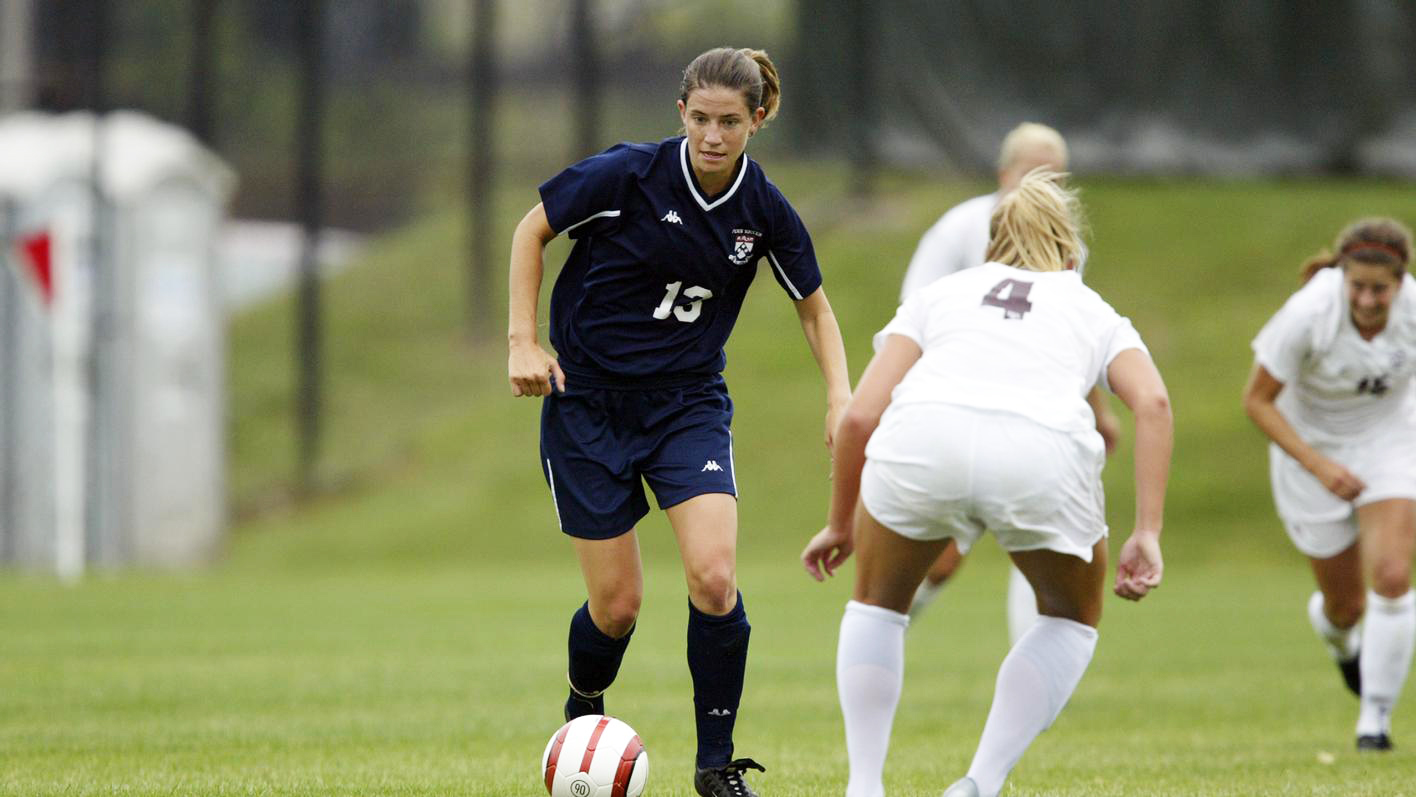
(828, 550)
(1139, 569)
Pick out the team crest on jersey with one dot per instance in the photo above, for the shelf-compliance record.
(742, 246)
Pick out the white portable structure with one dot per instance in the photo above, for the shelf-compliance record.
(112, 345)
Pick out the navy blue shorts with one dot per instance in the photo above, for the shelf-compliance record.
(596, 445)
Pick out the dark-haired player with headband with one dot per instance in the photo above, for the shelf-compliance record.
(1332, 388)
(668, 237)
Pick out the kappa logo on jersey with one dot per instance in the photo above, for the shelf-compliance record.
(672, 217)
(742, 246)
(712, 464)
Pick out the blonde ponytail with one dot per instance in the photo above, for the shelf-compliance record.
(1037, 226)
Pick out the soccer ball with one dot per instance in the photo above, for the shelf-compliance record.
(595, 756)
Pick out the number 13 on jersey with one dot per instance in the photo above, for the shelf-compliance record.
(687, 314)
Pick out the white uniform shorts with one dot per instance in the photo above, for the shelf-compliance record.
(1322, 525)
(940, 470)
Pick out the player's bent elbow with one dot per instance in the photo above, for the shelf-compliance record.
(1153, 406)
(858, 424)
(1254, 406)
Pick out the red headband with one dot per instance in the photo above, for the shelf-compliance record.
(1377, 245)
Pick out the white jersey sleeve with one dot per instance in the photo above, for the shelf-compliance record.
(956, 242)
(1123, 336)
(1285, 342)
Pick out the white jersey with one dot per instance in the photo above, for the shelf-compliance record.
(1338, 386)
(956, 242)
(1002, 338)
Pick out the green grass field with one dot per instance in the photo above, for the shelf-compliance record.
(403, 633)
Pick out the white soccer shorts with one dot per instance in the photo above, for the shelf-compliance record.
(940, 470)
(1322, 525)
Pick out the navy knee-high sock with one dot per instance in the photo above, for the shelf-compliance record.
(594, 655)
(717, 660)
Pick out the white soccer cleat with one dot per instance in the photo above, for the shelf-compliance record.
(963, 787)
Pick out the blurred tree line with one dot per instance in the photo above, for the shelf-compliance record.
(229, 70)
(1155, 86)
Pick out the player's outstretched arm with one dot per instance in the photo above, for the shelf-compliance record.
(823, 335)
(1260, 395)
(833, 545)
(529, 368)
(1135, 380)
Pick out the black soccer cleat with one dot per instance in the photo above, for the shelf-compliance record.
(726, 781)
(1374, 743)
(1352, 673)
(578, 705)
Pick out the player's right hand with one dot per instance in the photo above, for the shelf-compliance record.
(1140, 566)
(530, 370)
(828, 550)
(1339, 481)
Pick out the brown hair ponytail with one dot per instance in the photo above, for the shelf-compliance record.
(1376, 241)
(748, 71)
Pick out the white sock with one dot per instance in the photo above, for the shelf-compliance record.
(924, 595)
(1022, 605)
(870, 668)
(1388, 631)
(1342, 643)
(1037, 677)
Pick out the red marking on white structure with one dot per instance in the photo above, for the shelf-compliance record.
(36, 249)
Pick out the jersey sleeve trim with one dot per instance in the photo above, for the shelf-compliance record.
(600, 215)
(787, 281)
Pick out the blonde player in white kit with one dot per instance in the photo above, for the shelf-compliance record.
(1332, 389)
(956, 242)
(976, 419)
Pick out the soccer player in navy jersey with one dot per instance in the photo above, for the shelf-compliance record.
(668, 238)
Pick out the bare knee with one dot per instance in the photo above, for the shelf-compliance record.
(1391, 578)
(714, 589)
(945, 566)
(1344, 611)
(615, 614)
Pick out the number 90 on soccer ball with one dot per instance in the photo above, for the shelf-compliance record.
(595, 756)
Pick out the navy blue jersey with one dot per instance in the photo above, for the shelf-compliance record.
(659, 271)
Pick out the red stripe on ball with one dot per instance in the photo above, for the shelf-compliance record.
(594, 740)
(555, 756)
(626, 767)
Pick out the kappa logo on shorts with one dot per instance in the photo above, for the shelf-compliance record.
(719, 712)
(672, 217)
(712, 464)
